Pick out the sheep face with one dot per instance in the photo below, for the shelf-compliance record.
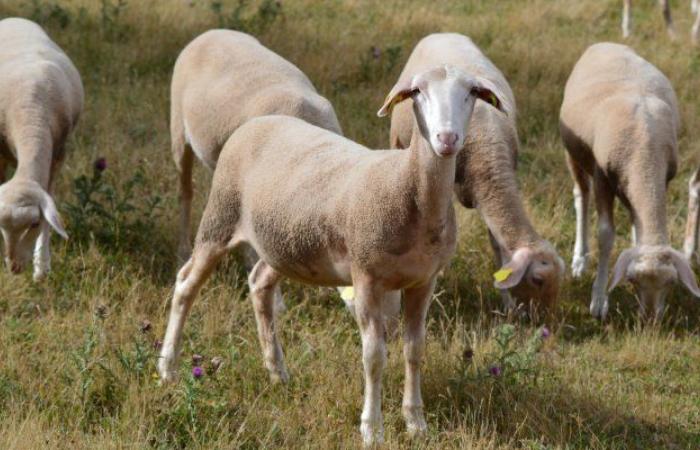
(541, 279)
(652, 270)
(24, 208)
(533, 273)
(443, 102)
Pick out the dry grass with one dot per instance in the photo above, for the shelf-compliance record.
(77, 372)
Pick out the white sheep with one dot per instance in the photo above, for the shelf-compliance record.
(41, 97)
(619, 122)
(486, 178)
(222, 79)
(666, 10)
(321, 209)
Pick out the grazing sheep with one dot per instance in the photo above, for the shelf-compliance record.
(222, 79)
(486, 178)
(321, 209)
(41, 97)
(666, 10)
(619, 122)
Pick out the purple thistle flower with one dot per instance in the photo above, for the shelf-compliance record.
(545, 333)
(157, 344)
(100, 164)
(197, 372)
(495, 371)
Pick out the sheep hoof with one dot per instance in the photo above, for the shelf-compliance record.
(416, 426)
(279, 376)
(599, 307)
(39, 276)
(372, 434)
(167, 374)
(578, 266)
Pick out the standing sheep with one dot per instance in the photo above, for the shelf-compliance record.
(486, 178)
(619, 122)
(41, 97)
(222, 79)
(321, 209)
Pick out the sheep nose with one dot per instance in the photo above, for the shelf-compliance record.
(448, 138)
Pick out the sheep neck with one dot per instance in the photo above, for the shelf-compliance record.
(650, 215)
(434, 178)
(32, 164)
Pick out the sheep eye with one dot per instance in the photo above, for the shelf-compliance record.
(34, 225)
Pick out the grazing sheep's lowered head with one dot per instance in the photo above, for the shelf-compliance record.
(652, 269)
(24, 208)
(443, 123)
(534, 273)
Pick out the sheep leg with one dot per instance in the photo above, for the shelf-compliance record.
(626, 10)
(604, 199)
(416, 303)
(694, 6)
(368, 312)
(506, 298)
(42, 253)
(189, 280)
(690, 243)
(264, 283)
(695, 33)
(582, 189)
(666, 10)
(42, 247)
(184, 158)
(391, 307)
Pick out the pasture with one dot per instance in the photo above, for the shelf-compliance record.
(78, 351)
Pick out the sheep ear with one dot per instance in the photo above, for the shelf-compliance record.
(398, 93)
(512, 272)
(485, 90)
(50, 213)
(685, 273)
(623, 261)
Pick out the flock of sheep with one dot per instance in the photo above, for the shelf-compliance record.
(308, 204)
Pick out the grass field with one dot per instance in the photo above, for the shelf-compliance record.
(78, 362)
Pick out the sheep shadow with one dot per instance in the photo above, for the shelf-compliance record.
(550, 414)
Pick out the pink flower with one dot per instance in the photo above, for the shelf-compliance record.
(197, 372)
(545, 333)
(100, 164)
(495, 371)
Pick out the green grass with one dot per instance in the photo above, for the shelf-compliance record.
(76, 370)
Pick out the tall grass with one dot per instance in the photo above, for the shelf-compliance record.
(77, 359)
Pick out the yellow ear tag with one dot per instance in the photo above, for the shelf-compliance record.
(494, 102)
(502, 275)
(348, 293)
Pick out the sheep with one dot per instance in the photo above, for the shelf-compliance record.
(619, 122)
(486, 178)
(321, 209)
(666, 10)
(220, 80)
(41, 98)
